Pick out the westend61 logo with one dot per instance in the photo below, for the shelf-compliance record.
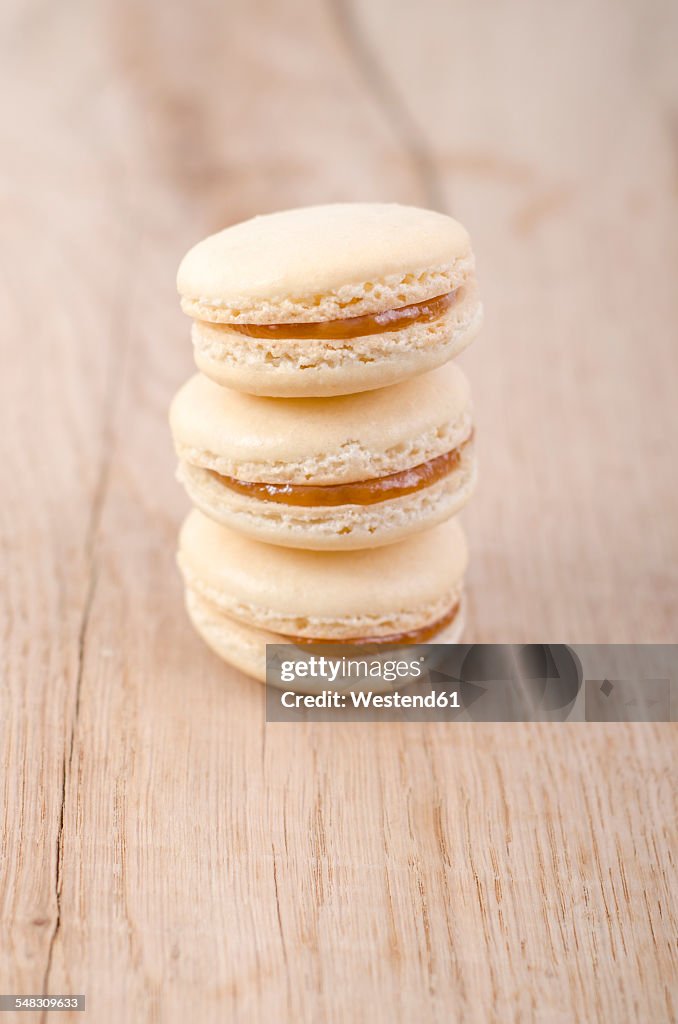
(357, 678)
(471, 682)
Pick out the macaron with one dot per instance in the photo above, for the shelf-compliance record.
(330, 300)
(242, 594)
(353, 471)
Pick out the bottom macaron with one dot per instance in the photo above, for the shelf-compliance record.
(242, 594)
(244, 646)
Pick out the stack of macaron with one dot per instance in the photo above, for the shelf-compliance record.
(327, 441)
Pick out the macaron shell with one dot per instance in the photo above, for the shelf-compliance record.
(322, 441)
(322, 262)
(335, 528)
(369, 592)
(292, 368)
(245, 646)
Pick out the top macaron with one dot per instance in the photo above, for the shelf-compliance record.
(330, 300)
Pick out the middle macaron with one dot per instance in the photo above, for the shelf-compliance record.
(353, 471)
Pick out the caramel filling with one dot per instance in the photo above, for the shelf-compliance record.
(355, 326)
(413, 636)
(362, 492)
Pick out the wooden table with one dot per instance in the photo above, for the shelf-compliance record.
(163, 850)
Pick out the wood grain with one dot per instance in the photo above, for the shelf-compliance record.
(163, 850)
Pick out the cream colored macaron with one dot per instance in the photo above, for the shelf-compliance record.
(330, 300)
(352, 471)
(242, 594)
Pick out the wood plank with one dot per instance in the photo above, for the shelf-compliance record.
(164, 850)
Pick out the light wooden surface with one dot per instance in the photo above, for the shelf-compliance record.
(165, 852)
